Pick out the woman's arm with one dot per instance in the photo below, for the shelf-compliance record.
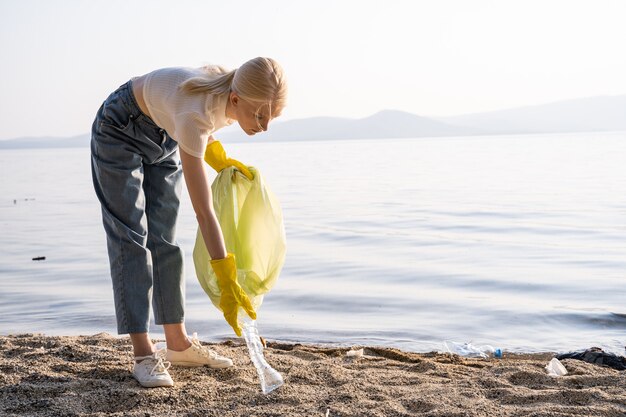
(197, 180)
(232, 297)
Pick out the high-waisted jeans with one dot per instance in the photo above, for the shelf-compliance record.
(137, 176)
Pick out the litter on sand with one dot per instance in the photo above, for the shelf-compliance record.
(356, 353)
(597, 356)
(556, 368)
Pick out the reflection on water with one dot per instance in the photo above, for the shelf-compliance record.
(512, 241)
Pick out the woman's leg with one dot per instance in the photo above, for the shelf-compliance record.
(117, 180)
(118, 175)
(142, 345)
(162, 187)
(176, 336)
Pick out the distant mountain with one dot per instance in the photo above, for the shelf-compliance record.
(605, 113)
(384, 124)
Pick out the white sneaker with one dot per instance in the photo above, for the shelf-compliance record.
(198, 355)
(151, 370)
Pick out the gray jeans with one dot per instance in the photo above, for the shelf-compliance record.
(137, 177)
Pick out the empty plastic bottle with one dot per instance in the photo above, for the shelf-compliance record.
(471, 351)
(269, 378)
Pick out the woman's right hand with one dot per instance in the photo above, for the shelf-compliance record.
(232, 296)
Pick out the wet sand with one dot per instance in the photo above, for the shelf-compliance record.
(91, 376)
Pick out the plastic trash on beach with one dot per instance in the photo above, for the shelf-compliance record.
(269, 378)
(356, 353)
(252, 223)
(555, 368)
(471, 351)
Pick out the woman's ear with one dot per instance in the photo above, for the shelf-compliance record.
(234, 98)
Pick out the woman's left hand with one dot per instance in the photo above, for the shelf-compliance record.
(215, 156)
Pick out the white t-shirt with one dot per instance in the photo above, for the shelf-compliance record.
(189, 118)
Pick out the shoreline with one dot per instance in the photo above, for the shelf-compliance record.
(91, 376)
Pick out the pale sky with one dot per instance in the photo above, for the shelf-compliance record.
(352, 58)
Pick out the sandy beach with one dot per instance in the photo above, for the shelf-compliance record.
(91, 376)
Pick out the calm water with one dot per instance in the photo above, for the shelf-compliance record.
(515, 241)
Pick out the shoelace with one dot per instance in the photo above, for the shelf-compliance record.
(195, 342)
(161, 366)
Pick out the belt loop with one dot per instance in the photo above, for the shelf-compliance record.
(162, 132)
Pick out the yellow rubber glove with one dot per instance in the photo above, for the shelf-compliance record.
(232, 296)
(215, 155)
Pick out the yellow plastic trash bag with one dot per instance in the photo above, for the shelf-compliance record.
(252, 224)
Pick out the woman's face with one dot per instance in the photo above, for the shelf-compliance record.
(252, 117)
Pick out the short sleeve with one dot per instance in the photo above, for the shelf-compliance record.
(192, 132)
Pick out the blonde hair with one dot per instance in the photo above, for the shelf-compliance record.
(260, 81)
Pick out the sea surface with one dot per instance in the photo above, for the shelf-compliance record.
(514, 241)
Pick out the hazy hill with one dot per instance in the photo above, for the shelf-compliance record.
(384, 124)
(604, 113)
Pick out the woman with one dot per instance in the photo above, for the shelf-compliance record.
(146, 134)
